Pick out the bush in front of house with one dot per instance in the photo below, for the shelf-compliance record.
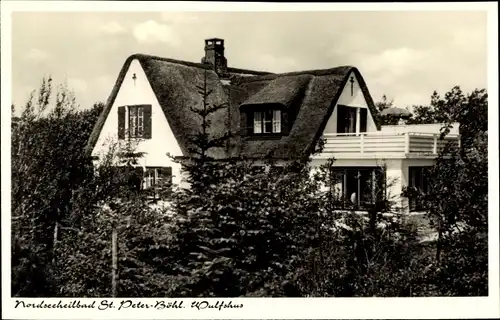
(238, 232)
(245, 233)
(457, 198)
(141, 251)
(47, 164)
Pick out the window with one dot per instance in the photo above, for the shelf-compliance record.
(157, 181)
(127, 176)
(418, 183)
(268, 121)
(134, 121)
(357, 187)
(347, 119)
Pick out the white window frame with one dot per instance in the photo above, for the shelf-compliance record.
(152, 180)
(135, 121)
(260, 121)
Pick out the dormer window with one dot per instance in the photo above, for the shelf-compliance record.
(267, 122)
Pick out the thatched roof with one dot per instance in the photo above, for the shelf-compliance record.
(174, 84)
(311, 94)
(280, 91)
(315, 92)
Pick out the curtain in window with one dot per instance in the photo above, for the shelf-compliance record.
(351, 120)
(277, 121)
(268, 121)
(132, 120)
(140, 122)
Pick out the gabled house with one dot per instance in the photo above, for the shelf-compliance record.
(280, 116)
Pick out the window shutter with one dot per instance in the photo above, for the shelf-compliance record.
(285, 120)
(341, 118)
(362, 121)
(244, 123)
(257, 122)
(147, 122)
(165, 173)
(249, 122)
(139, 172)
(121, 122)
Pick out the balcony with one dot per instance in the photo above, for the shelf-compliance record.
(386, 145)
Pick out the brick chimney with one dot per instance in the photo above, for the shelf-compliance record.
(214, 56)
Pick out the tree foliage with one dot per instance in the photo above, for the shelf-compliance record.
(48, 165)
(470, 110)
(457, 198)
(246, 227)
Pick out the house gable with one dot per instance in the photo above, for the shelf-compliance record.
(310, 98)
(352, 95)
(135, 89)
(317, 102)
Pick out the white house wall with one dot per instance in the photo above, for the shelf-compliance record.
(162, 138)
(356, 100)
(397, 174)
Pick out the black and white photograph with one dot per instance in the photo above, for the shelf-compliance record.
(220, 155)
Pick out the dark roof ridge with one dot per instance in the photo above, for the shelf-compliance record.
(183, 62)
(314, 72)
(247, 71)
(194, 64)
(168, 76)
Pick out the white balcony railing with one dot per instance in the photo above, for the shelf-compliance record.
(387, 143)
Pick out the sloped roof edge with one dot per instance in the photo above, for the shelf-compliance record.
(94, 136)
(367, 96)
(343, 72)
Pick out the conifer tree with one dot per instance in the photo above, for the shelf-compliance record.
(200, 166)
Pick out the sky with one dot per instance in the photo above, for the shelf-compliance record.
(405, 55)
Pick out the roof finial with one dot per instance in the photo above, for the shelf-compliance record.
(352, 86)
